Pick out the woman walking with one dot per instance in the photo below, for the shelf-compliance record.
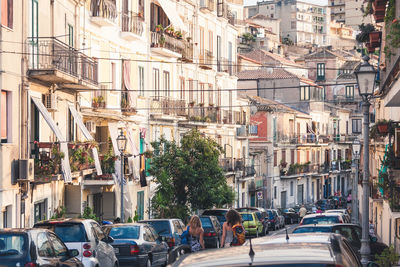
(233, 233)
(196, 234)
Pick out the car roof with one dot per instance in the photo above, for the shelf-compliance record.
(322, 214)
(272, 251)
(124, 224)
(336, 211)
(326, 225)
(158, 220)
(68, 220)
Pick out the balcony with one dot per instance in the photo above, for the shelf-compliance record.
(103, 12)
(239, 164)
(226, 164)
(169, 107)
(227, 66)
(53, 61)
(128, 107)
(132, 26)
(187, 54)
(241, 132)
(250, 171)
(227, 117)
(200, 113)
(207, 5)
(166, 45)
(206, 60)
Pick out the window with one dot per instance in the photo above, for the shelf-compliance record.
(44, 246)
(71, 127)
(253, 129)
(201, 41)
(292, 156)
(98, 232)
(293, 24)
(156, 83)
(141, 81)
(304, 92)
(190, 90)
(167, 89)
(210, 41)
(40, 210)
(275, 192)
(275, 158)
(321, 71)
(182, 87)
(350, 91)
(202, 92)
(298, 157)
(291, 188)
(283, 159)
(4, 117)
(114, 75)
(70, 35)
(7, 13)
(356, 127)
(210, 94)
(59, 248)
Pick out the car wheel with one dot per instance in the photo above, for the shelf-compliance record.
(148, 263)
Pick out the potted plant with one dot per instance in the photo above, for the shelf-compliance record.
(159, 28)
(100, 102)
(365, 30)
(178, 34)
(95, 103)
(161, 41)
(375, 38)
(383, 126)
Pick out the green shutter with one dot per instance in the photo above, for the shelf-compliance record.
(140, 204)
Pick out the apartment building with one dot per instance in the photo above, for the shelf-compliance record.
(349, 12)
(342, 36)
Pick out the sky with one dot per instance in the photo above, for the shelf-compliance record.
(319, 2)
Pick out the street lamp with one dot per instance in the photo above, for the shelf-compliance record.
(356, 147)
(366, 76)
(121, 143)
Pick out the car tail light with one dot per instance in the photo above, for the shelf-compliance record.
(252, 226)
(134, 249)
(210, 234)
(340, 220)
(86, 246)
(171, 242)
(87, 253)
(338, 265)
(30, 264)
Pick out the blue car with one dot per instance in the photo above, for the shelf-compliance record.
(137, 244)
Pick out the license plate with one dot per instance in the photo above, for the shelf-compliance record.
(116, 250)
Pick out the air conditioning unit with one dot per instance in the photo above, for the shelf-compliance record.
(26, 170)
(90, 126)
(50, 101)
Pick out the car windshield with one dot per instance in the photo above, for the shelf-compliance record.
(125, 232)
(67, 232)
(13, 245)
(247, 217)
(220, 214)
(321, 220)
(312, 230)
(206, 222)
(161, 227)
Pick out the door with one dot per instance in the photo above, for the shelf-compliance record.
(252, 200)
(283, 199)
(300, 194)
(149, 244)
(61, 251)
(140, 204)
(46, 256)
(160, 248)
(97, 205)
(318, 192)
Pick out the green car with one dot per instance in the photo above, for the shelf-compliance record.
(251, 223)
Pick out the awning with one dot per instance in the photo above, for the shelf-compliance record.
(87, 135)
(170, 9)
(66, 169)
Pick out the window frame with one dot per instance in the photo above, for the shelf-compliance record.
(358, 124)
(141, 80)
(320, 71)
(350, 89)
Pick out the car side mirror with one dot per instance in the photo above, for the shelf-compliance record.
(108, 239)
(73, 252)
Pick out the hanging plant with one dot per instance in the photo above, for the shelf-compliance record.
(365, 30)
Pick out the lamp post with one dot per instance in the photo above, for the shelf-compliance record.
(356, 147)
(366, 77)
(121, 142)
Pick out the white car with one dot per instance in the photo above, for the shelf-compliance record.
(324, 218)
(281, 218)
(342, 211)
(87, 237)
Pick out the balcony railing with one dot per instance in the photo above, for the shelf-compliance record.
(226, 65)
(132, 23)
(250, 171)
(168, 106)
(208, 4)
(89, 69)
(187, 54)
(239, 164)
(226, 164)
(163, 40)
(206, 59)
(106, 9)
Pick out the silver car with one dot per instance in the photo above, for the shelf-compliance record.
(87, 237)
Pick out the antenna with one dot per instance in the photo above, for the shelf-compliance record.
(287, 236)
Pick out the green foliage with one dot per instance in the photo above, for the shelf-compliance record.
(188, 175)
(136, 217)
(88, 214)
(248, 38)
(59, 212)
(387, 258)
(80, 158)
(129, 220)
(365, 29)
(108, 160)
(287, 40)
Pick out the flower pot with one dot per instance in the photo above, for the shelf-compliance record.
(383, 128)
(375, 39)
(72, 146)
(44, 145)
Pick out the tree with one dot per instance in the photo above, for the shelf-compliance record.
(188, 176)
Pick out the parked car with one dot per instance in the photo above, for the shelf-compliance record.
(219, 213)
(273, 220)
(323, 218)
(251, 223)
(300, 250)
(262, 216)
(87, 237)
(281, 218)
(291, 216)
(324, 204)
(35, 247)
(212, 231)
(350, 231)
(138, 244)
(343, 211)
(171, 230)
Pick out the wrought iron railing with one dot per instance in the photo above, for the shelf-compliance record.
(132, 22)
(164, 40)
(104, 8)
(168, 106)
(49, 53)
(226, 164)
